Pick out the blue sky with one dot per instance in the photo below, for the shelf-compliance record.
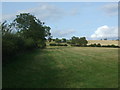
(94, 20)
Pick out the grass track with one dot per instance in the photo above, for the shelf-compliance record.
(64, 67)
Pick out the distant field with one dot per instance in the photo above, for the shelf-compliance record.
(103, 42)
(63, 67)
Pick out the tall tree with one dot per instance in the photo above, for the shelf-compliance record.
(29, 26)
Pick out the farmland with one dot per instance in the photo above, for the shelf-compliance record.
(103, 42)
(63, 67)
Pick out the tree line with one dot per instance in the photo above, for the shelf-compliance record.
(74, 41)
(77, 41)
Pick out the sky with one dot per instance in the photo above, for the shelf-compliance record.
(93, 20)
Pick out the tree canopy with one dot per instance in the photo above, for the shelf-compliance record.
(79, 41)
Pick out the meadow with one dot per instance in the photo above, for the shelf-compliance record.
(63, 67)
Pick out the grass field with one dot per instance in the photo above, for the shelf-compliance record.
(63, 67)
(103, 42)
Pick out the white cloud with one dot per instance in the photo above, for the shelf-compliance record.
(105, 32)
(43, 12)
(63, 33)
(110, 9)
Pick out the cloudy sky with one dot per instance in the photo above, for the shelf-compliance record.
(66, 19)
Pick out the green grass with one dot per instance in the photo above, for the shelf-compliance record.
(63, 67)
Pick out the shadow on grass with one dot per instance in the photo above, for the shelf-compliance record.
(35, 70)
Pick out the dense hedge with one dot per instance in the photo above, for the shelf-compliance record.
(97, 45)
(53, 44)
(114, 46)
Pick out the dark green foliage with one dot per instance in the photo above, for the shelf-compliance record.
(68, 41)
(53, 39)
(30, 27)
(29, 33)
(83, 41)
(61, 45)
(57, 40)
(11, 45)
(95, 45)
(105, 38)
(113, 46)
(76, 41)
(29, 44)
(53, 44)
(63, 40)
(99, 45)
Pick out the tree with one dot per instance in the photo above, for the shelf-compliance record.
(75, 40)
(63, 40)
(29, 26)
(105, 38)
(57, 40)
(29, 33)
(83, 41)
(79, 41)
